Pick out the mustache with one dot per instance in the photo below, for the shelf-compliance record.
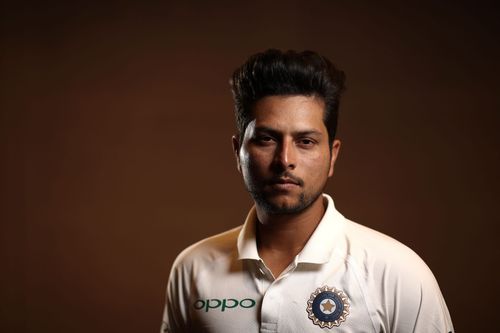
(286, 176)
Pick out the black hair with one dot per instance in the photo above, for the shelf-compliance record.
(274, 72)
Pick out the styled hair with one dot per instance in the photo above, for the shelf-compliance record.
(274, 72)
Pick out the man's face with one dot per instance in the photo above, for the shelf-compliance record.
(285, 157)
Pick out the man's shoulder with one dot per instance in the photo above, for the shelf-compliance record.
(376, 251)
(368, 238)
(210, 249)
(396, 280)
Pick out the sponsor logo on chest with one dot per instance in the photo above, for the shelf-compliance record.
(215, 304)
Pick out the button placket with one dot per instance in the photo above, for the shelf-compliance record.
(270, 310)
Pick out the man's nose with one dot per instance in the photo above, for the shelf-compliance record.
(286, 155)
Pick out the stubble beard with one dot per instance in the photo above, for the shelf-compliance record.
(261, 199)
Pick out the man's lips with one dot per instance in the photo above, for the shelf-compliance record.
(286, 181)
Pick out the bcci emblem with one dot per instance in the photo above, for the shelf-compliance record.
(328, 307)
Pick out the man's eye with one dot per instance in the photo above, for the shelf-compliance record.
(306, 142)
(264, 139)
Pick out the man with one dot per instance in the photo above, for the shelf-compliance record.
(296, 264)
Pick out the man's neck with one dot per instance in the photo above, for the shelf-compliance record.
(281, 237)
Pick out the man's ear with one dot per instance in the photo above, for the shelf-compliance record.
(236, 151)
(333, 156)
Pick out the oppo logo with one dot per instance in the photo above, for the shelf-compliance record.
(223, 304)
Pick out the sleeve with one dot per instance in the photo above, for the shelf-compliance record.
(175, 314)
(416, 303)
(432, 314)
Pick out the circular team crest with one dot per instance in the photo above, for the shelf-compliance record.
(328, 307)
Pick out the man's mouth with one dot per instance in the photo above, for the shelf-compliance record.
(286, 182)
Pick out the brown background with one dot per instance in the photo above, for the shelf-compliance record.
(115, 143)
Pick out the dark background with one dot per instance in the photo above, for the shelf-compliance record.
(115, 132)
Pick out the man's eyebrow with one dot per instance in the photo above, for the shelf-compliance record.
(270, 130)
(266, 129)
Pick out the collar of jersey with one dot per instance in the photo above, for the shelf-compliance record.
(319, 247)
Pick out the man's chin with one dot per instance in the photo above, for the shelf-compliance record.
(282, 206)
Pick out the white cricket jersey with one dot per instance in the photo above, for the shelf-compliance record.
(347, 278)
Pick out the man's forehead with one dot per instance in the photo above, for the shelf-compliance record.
(299, 110)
